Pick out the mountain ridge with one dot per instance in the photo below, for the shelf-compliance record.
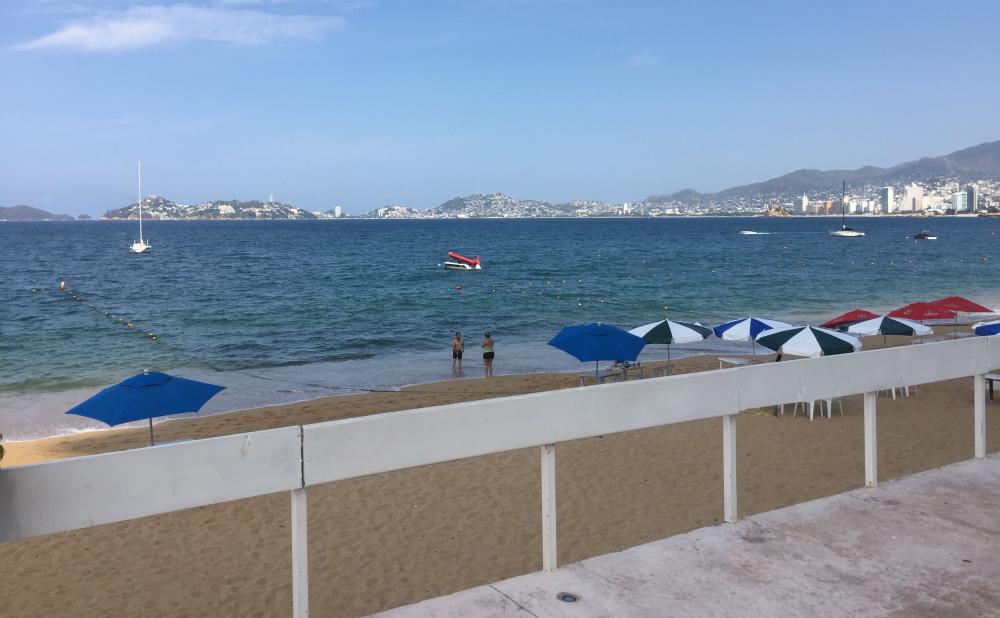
(972, 163)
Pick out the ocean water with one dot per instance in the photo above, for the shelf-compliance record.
(284, 311)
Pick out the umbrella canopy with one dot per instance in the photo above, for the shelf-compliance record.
(960, 305)
(597, 342)
(922, 311)
(746, 329)
(808, 341)
(987, 328)
(668, 331)
(884, 325)
(851, 317)
(145, 396)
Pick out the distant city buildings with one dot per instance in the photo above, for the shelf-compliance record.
(800, 205)
(337, 212)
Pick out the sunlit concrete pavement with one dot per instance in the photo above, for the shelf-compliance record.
(925, 545)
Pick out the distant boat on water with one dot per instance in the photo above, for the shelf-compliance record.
(844, 231)
(140, 246)
(753, 233)
(925, 235)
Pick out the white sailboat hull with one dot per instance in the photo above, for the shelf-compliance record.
(140, 247)
(847, 233)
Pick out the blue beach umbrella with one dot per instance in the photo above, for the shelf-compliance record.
(145, 396)
(746, 329)
(986, 329)
(597, 342)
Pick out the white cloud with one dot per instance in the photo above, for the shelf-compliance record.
(143, 26)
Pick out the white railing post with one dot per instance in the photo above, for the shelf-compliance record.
(300, 553)
(979, 397)
(550, 559)
(871, 441)
(730, 508)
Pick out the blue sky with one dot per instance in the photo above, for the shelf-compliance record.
(365, 103)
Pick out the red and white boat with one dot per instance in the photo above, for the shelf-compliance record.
(460, 262)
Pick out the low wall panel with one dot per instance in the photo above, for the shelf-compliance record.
(100, 489)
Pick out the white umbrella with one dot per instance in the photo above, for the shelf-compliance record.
(668, 331)
(885, 325)
(808, 341)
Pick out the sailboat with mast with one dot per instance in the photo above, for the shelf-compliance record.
(844, 231)
(140, 246)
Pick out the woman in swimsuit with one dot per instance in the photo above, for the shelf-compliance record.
(487, 346)
(457, 348)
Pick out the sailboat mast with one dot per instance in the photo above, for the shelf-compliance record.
(843, 205)
(139, 165)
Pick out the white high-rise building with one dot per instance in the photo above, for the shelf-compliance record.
(801, 204)
(886, 199)
(958, 201)
(913, 198)
(337, 211)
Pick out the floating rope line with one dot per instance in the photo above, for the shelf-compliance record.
(130, 325)
(72, 294)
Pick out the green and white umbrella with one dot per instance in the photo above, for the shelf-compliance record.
(885, 325)
(668, 332)
(808, 341)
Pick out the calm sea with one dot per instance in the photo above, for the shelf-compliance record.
(283, 311)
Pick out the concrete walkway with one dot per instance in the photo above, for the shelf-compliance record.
(925, 545)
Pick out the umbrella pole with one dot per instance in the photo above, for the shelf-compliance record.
(753, 342)
(883, 340)
(151, 441)
(954, 332)
(595, 370)
(668, 352)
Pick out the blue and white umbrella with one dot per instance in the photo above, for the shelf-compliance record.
(668, 332)
(746, 329)
(808, 341)
(986, 329)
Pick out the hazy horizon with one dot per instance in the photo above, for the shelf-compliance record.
(361, 103)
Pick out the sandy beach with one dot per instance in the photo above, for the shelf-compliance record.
(387, 540)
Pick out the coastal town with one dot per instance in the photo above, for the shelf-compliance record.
(935, 197)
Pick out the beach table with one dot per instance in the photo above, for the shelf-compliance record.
(601, 376)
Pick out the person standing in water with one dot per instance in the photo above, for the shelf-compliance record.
(457, 349)
(487, 346)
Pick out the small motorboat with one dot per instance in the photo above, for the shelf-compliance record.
(753, 233)
(925, 235)
(460, 262)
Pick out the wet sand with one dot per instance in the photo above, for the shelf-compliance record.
(386, 540)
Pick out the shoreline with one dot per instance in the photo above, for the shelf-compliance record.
(346, 405)
(319, 409)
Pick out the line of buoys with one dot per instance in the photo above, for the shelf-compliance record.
(65, 289)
